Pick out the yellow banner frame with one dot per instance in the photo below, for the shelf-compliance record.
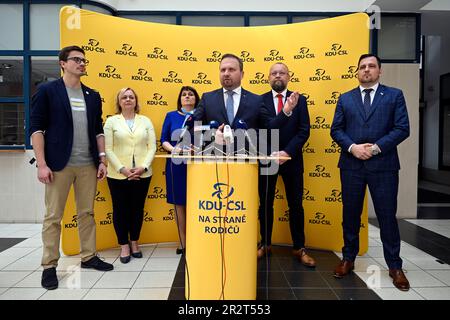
(157, 59)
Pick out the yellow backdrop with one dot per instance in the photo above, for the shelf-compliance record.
(157, 59)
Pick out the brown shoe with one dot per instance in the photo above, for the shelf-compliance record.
(263, 251)
(399, 279)
(304, 258)
(343, 268)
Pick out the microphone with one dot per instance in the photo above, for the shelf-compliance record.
(241, 124)
(227, 134)
(187, 126)
(213, 125)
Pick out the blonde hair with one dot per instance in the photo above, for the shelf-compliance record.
(120, 95)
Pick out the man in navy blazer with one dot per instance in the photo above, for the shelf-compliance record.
(369, 122)
(69, 146)
(292, 134)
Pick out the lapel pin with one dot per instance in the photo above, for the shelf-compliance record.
(87, 92)
(382, 93)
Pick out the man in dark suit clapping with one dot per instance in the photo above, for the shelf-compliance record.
(293, 133)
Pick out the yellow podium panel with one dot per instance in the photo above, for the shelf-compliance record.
(221, 231)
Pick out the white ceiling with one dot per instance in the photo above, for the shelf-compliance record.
(281, 5)
(437, 5)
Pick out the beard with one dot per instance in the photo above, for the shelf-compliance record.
(278, 86)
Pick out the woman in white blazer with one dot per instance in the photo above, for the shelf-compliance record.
(130, 146)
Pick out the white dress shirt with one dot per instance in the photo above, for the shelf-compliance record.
(372, 93)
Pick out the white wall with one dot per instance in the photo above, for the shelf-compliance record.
(406, 77)
(431, 95)
(21, 194)
(435, 26)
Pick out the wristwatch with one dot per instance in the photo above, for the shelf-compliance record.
(288, 114)
(374, 150)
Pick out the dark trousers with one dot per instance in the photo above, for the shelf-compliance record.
(128, 199)
(383, 188)
(293, 185)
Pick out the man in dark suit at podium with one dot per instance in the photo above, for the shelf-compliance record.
(293, 134)
(369, 122)
(231, 102)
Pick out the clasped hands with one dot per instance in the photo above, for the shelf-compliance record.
(362, 151)
(133, 173)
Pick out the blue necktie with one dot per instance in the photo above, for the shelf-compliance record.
(230, 106)
(367, 100)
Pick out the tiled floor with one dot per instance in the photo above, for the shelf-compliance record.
(148, 278)
(159, 275)
(155, 276)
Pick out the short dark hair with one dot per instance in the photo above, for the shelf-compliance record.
(187, 88)
(368, 55)
(64, 53)
(232, 56)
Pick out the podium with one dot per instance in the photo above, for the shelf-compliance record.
(221, 227)
(221, 230)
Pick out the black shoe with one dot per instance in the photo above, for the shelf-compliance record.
(49, 279)
(125, 259)
(181, 251)
(97, 264)
(136, 254)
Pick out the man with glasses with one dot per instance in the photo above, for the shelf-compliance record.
(69, 146)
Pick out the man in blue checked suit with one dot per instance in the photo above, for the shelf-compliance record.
(369, 122)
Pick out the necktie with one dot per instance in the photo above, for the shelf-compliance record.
(280, 102)
(230, 106)
(367, 100)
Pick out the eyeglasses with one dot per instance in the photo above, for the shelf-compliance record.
(79, 60)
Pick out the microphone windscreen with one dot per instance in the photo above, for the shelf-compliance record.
(213, 124)
(189, 122)
(240, 124)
